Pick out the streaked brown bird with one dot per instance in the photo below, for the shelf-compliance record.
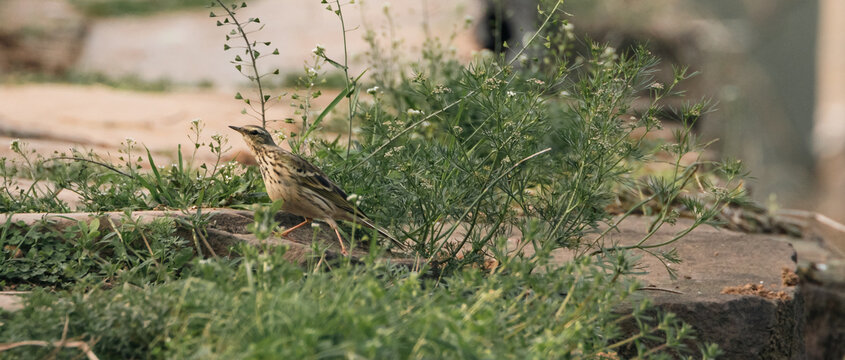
(304, 188)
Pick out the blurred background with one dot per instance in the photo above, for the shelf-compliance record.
(91, 73)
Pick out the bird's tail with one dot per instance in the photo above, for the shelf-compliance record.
(383, 232)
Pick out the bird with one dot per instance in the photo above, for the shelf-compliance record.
(305, 189)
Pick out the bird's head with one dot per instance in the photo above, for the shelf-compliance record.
(255, 136)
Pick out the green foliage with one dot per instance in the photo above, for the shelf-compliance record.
(331, 80)
(133, 7)
(105, 187)
(88, 253)
(267, 308)
(454, 158)
(459, 152)
(129, 82)
(238, 41)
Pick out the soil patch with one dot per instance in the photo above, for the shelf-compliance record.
(756, 290)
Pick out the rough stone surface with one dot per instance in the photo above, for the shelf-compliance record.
(44, 35)
(823, 289)
(744, 326)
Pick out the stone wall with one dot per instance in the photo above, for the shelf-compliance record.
(44, 36)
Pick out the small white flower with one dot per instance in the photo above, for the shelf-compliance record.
(352, 197)
(15, 145)
(441, 89)
(392, 151)
(656, 85)
(315, 225)
(373, 90)
(564, 93)
(385, 7)
(511, 93)
(412, 112)
(311, 71)
(319, 50)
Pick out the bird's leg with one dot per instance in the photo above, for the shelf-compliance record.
(286, 232)
(340, 240)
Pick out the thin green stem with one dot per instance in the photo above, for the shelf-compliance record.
(253, 62)
(346, 77)
(480, 196)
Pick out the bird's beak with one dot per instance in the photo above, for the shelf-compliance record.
(240, 130)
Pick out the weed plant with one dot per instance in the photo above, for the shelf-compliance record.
(264, 307)
(102, 186)
(468, 155)
(43, 255)
(453, 158)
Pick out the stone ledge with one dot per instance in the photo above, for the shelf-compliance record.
(744, 326)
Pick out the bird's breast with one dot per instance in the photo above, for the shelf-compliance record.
(278, 186)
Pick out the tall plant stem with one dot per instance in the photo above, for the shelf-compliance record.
(346, 77)
(253, 62)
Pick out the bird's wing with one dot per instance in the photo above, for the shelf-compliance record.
(317, 181)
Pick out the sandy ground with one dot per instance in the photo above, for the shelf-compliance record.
(57, 117)
(186, 47)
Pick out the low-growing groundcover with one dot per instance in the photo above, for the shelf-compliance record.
(266, 308)
(452, 157)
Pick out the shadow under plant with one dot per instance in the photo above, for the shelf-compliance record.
(452, 158)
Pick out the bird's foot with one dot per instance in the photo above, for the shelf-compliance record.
(288, 231)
